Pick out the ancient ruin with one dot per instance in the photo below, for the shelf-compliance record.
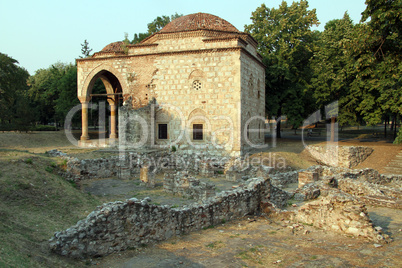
(332, 198)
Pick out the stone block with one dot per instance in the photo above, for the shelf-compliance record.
(147, 177)
(306, 177)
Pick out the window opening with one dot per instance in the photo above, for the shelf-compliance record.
(162, 131)
(197, 84)
(198, 132)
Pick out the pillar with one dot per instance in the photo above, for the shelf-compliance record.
(84, 117)
(113, 108)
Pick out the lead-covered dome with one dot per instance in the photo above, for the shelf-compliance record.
(198, 21)
(114, 47)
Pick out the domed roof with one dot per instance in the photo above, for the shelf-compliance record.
(198, 21)
(114, 47)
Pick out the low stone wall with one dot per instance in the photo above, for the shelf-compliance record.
(282, 179)
(340, 212)
(128, 164)
(119, 225)
(340, 156)
(181, 183)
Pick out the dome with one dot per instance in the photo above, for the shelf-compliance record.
(198, 21)
(114, 47)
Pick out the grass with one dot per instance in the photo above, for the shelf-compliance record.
(35, 203)
(215, 245)
(252, 254)
(208, 227)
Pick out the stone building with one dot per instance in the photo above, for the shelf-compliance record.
(198, 83)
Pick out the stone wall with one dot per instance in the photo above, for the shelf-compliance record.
(340, 156)
(128, 164)
(181, 183)
(117, 226)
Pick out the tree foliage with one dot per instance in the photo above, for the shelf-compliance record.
(46, 87)
(377, 53)
(286, 43)
(334, 70)
(155, 26)
(85, 50)
(16, 110)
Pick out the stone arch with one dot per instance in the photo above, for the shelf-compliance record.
(197, 73)
(197, 112)
(163, 115)
(109, 76)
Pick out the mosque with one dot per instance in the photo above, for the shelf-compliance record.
(198, 83)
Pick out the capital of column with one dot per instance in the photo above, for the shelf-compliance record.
(111, 101)
(84, 99)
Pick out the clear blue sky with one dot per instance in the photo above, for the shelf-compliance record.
(39, 33)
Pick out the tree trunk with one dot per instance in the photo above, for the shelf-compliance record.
(278, 128)
(385, 127)
(394, 123)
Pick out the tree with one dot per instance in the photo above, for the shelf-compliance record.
(334, 70)
(286, 43)
(155, 26)
(44, 90)
(67, 88)
(14, 102)
(85, 50)
(378, 61)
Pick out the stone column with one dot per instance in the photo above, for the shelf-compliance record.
(113, 108)
(84, 116)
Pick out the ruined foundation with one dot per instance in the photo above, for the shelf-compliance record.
(337, 198)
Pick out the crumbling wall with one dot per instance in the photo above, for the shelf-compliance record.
(367, 185)
(340, 212)
(117, 226)
(181, 183)
(340, 156)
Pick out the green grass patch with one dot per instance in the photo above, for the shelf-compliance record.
(214, 245)
(208, 227)
(35, 203)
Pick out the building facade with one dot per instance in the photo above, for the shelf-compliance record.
(198, 84)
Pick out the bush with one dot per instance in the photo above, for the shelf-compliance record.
(42, 128)
(398, 139)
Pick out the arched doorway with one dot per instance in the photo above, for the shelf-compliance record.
(98, 120)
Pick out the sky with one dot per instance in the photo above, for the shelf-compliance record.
(39, 33)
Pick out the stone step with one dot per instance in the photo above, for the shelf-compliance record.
(393, 170)
(395, 163)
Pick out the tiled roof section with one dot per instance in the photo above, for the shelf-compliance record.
(198, 21)
(114, 47)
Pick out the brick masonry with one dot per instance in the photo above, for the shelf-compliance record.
(218, 75)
